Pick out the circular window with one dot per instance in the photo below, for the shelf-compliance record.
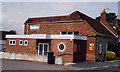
(61, 47)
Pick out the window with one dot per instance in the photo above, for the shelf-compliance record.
(12, 42)
(77, 33)
(20, 42)
(100, 48)
(106, 46)
(63, 33)
(25, 42)
(43, 48)
(61, 47)
(70, 33)
(34, 27)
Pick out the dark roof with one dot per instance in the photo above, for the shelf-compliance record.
(70, 17)
(96, 25)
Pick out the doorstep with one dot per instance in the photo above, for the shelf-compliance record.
(68, 64)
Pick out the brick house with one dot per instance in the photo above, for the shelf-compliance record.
(74, 37)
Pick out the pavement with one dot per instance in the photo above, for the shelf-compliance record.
(27, 65)
(96, 65)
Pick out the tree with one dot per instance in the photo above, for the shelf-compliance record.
(12, 32)
(110, 17)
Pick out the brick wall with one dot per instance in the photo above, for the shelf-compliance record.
(31, 48)
(67, 54)
(90, 54)
(83, 27)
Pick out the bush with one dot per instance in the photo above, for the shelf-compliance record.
(110, 55)
(113, 47)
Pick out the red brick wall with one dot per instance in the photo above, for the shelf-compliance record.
(31, 48)
(90, 54)
(67, 54)
(83, 27)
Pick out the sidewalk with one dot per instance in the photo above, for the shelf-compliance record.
(91, 65)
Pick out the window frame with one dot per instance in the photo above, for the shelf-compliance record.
(59, 48)
(67, 32)
(100, 48)
(19, 42)
(35, 27)
(43, 48)
(77, 31)
(12, 42)
(70, 32)
(9, 42)
(25, 41)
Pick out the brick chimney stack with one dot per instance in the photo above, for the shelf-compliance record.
(106, 24)
(103, 16)
(116, 23)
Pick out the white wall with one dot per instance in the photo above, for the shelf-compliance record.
(29, 57)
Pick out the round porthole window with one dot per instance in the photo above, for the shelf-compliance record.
(61, 47)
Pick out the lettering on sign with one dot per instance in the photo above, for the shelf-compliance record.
(91, 46)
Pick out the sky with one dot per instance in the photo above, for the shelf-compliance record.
(14, 14)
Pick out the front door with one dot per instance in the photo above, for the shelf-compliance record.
(43, 48)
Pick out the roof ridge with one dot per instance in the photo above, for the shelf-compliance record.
(48, 17)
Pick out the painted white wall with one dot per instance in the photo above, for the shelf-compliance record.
(29, 57)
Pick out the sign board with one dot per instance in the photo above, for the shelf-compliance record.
(75, 47)
(91, 46)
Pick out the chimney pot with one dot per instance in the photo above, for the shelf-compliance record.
(103, 16)
(104, 11)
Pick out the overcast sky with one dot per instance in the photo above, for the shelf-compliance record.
(14, 14)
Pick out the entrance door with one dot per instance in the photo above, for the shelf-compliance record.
(43, 48)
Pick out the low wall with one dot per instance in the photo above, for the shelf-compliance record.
(29, 57)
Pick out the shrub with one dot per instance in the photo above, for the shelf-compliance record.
(110, 55)
(113, 47)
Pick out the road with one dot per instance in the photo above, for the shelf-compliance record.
(108, 68)
(27, 65)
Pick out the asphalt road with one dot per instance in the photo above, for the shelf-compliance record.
(27, 65)
(108, 68)
(97, 65)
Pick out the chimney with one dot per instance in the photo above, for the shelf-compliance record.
(103, 16)
(116, 23)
